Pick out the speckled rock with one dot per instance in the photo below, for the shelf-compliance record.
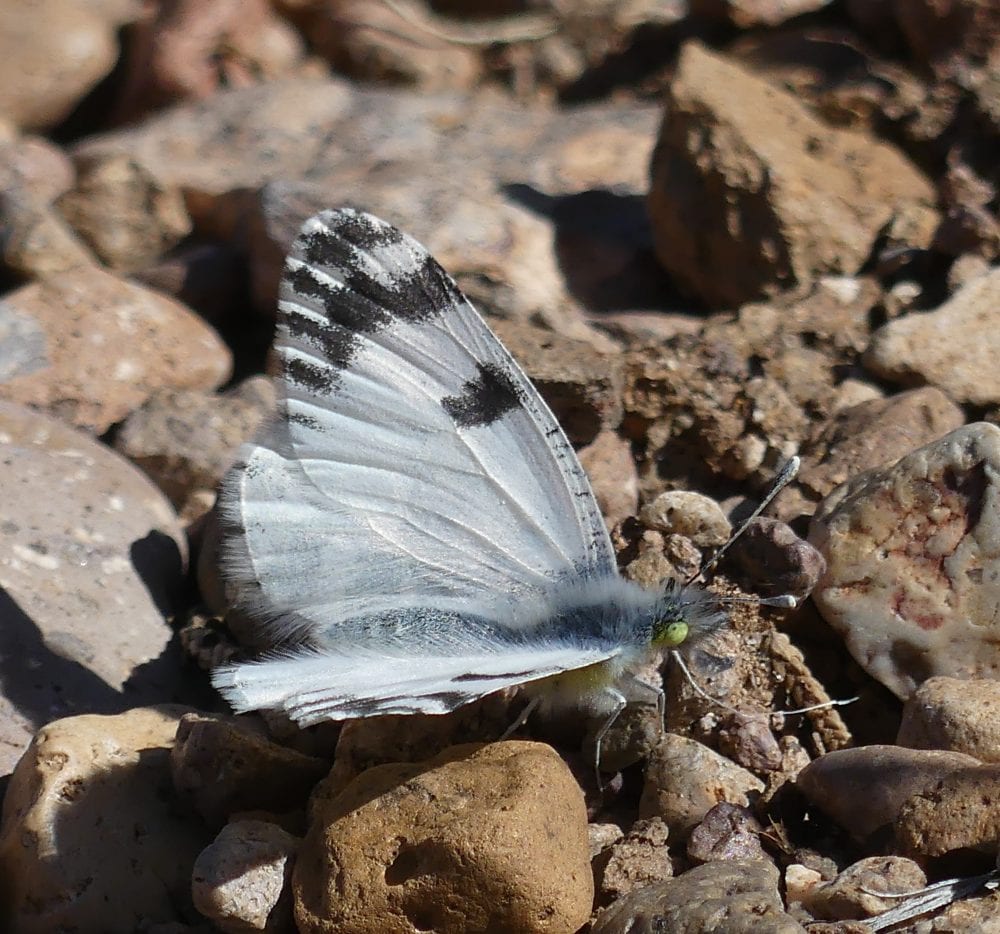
(954, 347)
(957, 812)
(123, 214)
(478, 837)
(186, 440)
(91, 347)
(960, 716)
(864, 789)
(640, 859)
(692, 515)
(734, 896)
(913, 562)
(90, 840)
(854, 893)
(870, 434)
(685, 779)
(241, 882)
(91, 559)
(727, 832)
(738, 154)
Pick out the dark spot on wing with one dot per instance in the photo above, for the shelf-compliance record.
(307, 421)
(408, 285)
(316, 379)
(485, 399)
(499, 676)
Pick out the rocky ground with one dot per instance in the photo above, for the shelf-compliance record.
(714, 234)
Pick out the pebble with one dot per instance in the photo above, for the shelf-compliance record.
(685, 780)
(960, 716)
(696, 517)
(913, 577)
(865, 789)
(640, 859)
(854, 894)
(223, 767)
(91, 347)
(954, 347)
(241, 881)
(736, 896)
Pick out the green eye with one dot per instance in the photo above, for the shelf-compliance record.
(673, 634)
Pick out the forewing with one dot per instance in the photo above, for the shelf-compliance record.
(414, 464)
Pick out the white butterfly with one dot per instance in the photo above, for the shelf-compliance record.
(415, 532)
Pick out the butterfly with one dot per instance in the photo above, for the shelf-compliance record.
(414, 531)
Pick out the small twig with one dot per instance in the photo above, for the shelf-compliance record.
(524, 27)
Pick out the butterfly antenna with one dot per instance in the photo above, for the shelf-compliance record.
(702, 693)
(785, 476)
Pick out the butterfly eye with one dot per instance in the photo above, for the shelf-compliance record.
(670, 634)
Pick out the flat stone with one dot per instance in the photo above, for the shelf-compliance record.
(735, 896)
(91, 559)
(864, 789)
(913, 562)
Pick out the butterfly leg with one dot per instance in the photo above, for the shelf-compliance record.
(522, 718)
(618, 701)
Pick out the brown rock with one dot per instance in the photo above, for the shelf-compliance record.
(37, 241)
(91, 347)
(241, 882)
(873, 433)
(733, 895)
(747, 13)
(960, 716)
(948, 35)
(91, 558)
(186, 440)
(611, 470)
(225, 767)
(776, 560)
(954, 347)
(957, 812)
(381, 42)
(640, 859)
(728, 832)
(123, 214)
(751, 194)
(685, 780)
(692, 515)
(865, 789)
(90, 840)
(478, 837)
(53, 52)
(855, 892)
(190, 50)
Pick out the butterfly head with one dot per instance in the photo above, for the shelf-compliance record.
(685, 611)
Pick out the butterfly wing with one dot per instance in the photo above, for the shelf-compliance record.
(361, 680)
(413, 464)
